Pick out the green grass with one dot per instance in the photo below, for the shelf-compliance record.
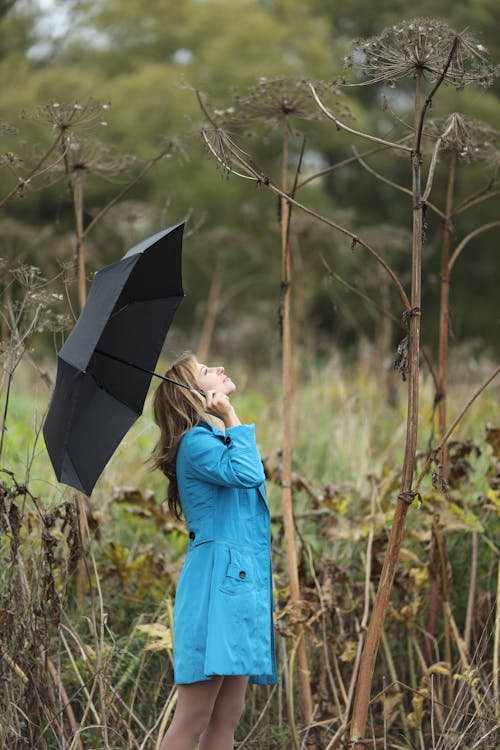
(344, 428)
(347, 435)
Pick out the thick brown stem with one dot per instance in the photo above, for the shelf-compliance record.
(373, 635)
(287, 402)
(444, 313)
(75, 182)
(80, 238)
(367, 667)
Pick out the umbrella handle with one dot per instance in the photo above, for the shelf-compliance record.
(149, 372)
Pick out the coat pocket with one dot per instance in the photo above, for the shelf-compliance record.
(239, 573)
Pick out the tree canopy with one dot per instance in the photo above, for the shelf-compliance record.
(148, 60)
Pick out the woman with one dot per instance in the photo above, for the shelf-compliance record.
(223, 627)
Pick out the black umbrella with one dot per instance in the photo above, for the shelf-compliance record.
(105, 367)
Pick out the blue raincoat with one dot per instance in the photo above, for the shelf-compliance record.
(223, 622)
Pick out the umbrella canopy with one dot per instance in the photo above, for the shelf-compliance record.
(105, 367)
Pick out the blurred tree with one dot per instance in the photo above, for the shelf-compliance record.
(6, 5)
(15, 29)
(147, 58)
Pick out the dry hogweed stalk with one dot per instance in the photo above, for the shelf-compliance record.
(62, 118)
(470, 139)
(277, 99)
(275, 103)
(428, 53)
(421, 48)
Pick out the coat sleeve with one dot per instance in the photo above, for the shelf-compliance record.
(230, 460)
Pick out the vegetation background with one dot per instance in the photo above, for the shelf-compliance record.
(86, 653)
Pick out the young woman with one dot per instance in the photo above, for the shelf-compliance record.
(223, 626)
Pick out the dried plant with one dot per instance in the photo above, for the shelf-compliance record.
(72, 115)
(93, 157)
(421, 48)
(278, 103)
(428, 53)
(471, 139)
(274, 100)
(32, 309)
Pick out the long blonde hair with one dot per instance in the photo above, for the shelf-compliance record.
(176, 410)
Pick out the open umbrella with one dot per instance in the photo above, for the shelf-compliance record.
(105, 367)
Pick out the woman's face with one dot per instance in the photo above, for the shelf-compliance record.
(214, 379)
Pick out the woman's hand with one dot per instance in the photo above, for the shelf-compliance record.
(218, 405)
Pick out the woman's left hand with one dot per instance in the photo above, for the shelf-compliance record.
(218, 405)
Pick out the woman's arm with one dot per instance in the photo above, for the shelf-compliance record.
(230, 460)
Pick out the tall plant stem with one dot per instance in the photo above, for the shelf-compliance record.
(444, 311)
(287, 404)
(75, 181)
(374, 632)
(406, 495)
(77, 187)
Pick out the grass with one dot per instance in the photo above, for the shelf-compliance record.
(348, 437)
(344, 428)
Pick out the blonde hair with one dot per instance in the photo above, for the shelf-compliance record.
(176, 410)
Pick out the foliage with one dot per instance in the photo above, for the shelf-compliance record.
(148, 66)
(92, 666)
(110, 652)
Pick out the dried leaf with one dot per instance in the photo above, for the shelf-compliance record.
(416, 716)
(439, 667)
(401, 358)
(493, 439)
(350, 651)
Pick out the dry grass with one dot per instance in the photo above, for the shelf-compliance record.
(88, 664)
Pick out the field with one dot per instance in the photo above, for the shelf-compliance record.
(87, 639)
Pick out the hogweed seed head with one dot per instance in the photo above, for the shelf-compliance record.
(470, 139)
(422, 48)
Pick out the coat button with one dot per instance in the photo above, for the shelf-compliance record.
(192, 535)
(227, 440)
(243, 575)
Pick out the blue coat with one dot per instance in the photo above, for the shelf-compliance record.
(223, 622)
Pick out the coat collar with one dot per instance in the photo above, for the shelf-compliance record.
(216, 430)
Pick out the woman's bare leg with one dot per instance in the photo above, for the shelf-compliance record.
(219, 734)
(195, 705)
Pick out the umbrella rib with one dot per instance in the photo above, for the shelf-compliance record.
(149, 372)
(136, 302)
